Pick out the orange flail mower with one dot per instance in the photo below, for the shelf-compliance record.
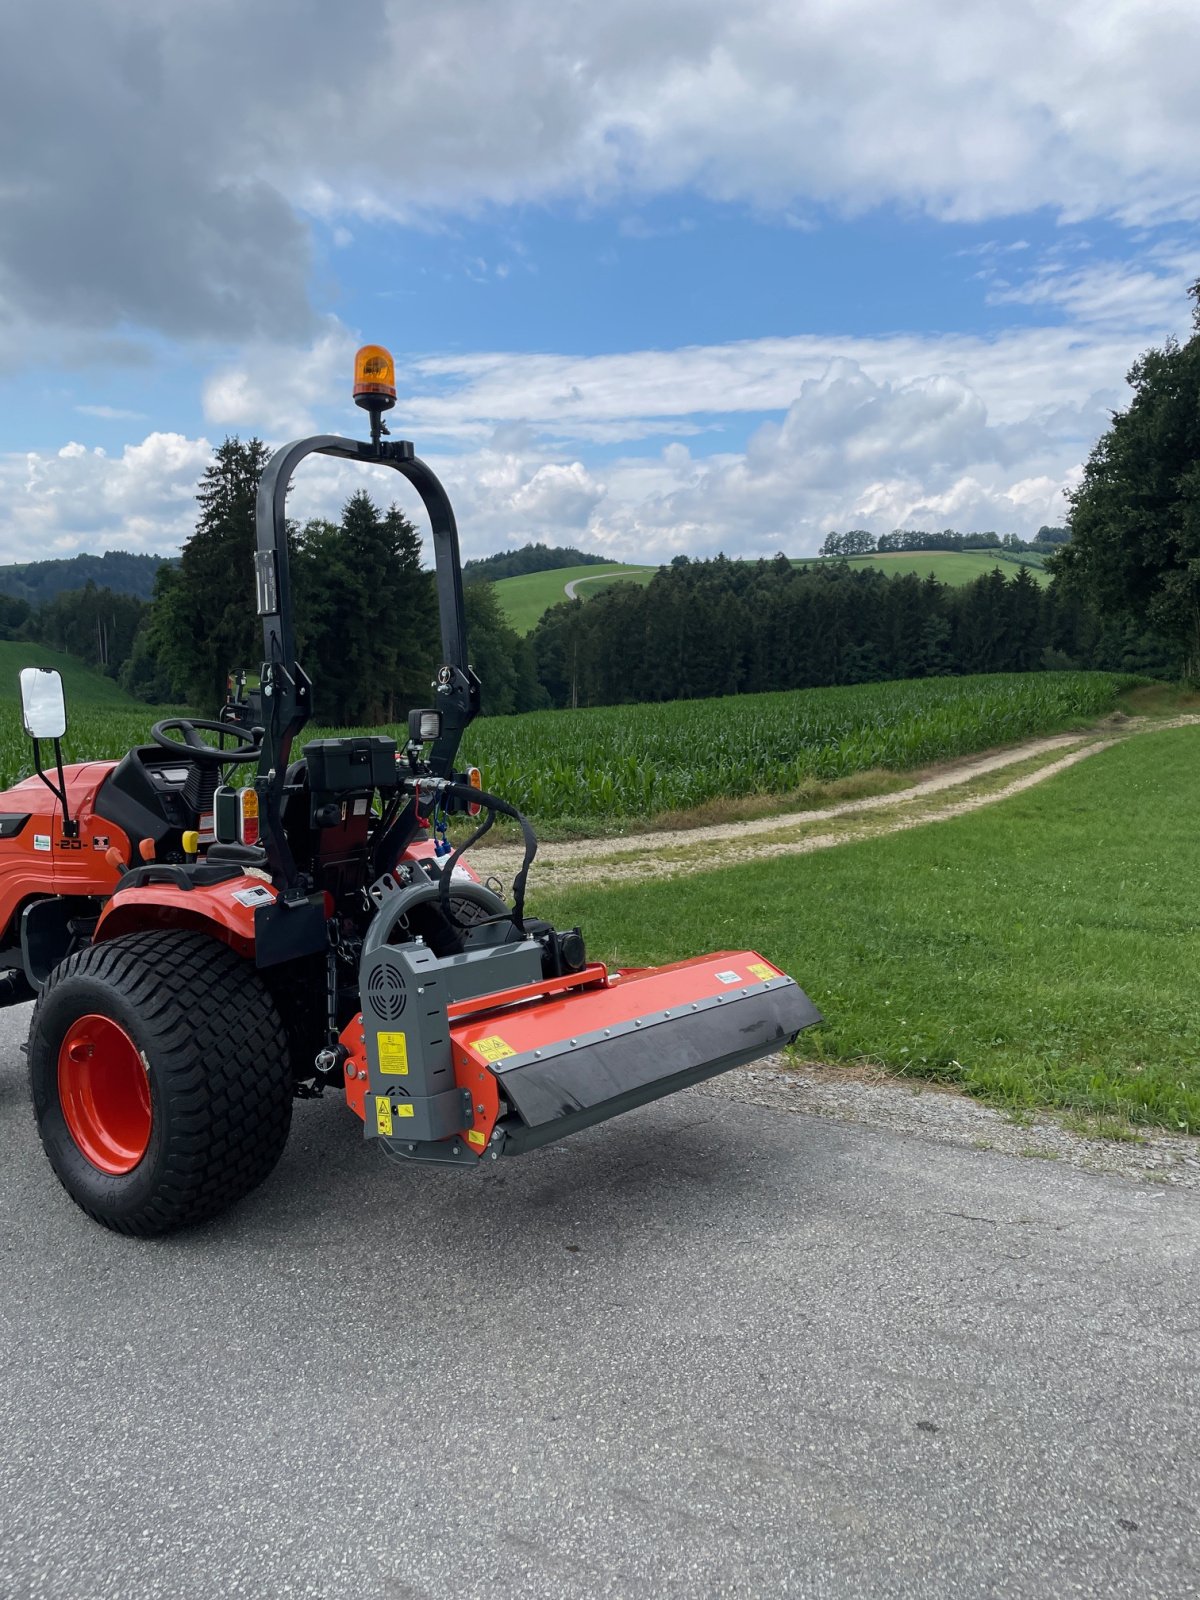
(204, 947)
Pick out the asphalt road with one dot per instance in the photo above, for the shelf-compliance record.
(707, 1349)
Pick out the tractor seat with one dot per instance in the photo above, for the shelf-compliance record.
(244, 855)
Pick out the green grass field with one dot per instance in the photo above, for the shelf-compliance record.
(592, 586)
(83, 686)
(524, 599)
(954, 567)
(1041, 953)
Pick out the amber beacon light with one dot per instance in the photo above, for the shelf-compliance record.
(375, 384)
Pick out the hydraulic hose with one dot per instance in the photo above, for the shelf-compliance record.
(494, 806)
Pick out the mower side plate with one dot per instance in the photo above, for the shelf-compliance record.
(572, 1061)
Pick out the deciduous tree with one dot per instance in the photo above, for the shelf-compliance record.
(1135, 517)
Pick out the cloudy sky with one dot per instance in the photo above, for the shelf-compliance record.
(678, 276)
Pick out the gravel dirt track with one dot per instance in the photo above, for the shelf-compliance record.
(716, 1347)
(664, 853)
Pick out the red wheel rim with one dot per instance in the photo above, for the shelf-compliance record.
(105, 1093)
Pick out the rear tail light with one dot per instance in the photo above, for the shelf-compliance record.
(247, 816)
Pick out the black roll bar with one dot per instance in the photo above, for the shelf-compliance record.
(286, 689)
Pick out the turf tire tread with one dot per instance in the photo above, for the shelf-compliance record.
(218, 1044)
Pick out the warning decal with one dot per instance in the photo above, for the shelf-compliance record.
(760, 969)
(493, 1048)
(383, 1114)
(403, 1110)
(257, 895)
(476, 1138)
(393, 1054)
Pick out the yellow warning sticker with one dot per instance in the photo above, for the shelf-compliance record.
(476, 1138)
(760, 969)
(393, 1055)
(383, 1114)
(403, 1110)
(493, 1048)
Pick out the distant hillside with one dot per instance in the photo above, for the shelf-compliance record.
(524, 599)
(954, 567)
(529, 558)
(37, 581)
(83, 686)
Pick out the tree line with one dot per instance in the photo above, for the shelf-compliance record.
(367, 625)
(721, 627)
(859, 542)
(119, 571)
(95, 624)
(529, 558)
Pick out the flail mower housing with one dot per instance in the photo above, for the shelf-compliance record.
(214, 927)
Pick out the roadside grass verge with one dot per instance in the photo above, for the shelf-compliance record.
(810, 796)
(1042, 953)
(1155, 699)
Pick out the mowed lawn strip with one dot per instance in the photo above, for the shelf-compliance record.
(1042, 953)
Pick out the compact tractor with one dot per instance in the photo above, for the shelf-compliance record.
(214, 926)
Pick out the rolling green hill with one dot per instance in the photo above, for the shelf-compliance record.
(83, 686)
(118, 570)
(525, 598)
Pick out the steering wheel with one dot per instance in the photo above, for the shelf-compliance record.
(193, 748)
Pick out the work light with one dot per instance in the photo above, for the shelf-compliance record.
(424, 726)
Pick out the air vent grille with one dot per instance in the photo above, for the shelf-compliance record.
(386, 996)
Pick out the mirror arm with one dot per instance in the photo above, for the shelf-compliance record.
(70, 827)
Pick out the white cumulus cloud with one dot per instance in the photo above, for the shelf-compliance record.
(79, 498)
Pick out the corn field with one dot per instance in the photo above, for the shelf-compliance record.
(635, 761)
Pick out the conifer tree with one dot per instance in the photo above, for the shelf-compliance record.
(204, 620)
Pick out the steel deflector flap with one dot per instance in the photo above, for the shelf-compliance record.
(700, 1044)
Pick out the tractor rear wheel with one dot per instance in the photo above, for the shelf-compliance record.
(160, 1077)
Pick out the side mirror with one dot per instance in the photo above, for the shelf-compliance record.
(43, 705)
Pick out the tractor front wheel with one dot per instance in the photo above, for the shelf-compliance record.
(161, 1080)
